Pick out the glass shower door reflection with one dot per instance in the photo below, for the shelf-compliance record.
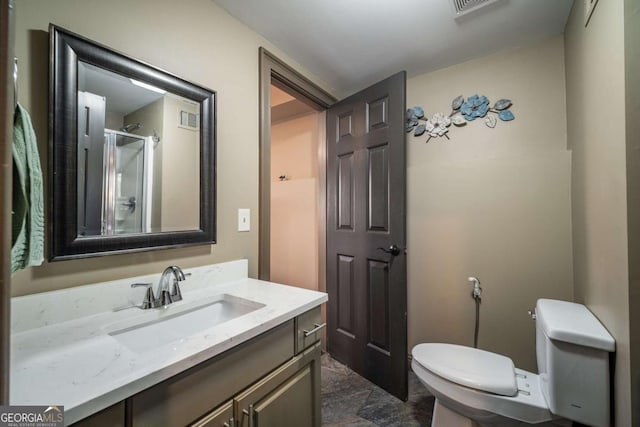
(128, 160)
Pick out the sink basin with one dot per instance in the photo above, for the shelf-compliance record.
(159, 327)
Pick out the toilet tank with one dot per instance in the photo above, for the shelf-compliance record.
(572, 349)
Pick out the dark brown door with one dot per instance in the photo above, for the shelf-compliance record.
(366, 262)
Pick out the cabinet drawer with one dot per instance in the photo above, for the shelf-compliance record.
(188, 396)
(221, 417)
(305, 323)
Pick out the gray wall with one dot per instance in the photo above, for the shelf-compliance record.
(595, 70)
(632, 92)
(6, 132)
(492, 203)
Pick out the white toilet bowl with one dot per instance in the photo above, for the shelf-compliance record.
(475, 387)
(480, 386)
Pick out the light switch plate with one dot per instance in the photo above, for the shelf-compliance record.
(244, 219)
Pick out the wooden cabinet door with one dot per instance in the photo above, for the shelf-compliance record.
(288, 397)
(290, 404)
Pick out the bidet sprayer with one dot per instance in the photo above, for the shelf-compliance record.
(477, 290)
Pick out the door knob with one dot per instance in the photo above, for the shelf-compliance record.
(393, 250)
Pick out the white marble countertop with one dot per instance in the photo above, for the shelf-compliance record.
(62, 353)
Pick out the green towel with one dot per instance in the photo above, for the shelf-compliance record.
(27, 217)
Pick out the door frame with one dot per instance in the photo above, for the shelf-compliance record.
(6, 137)
(274, 69)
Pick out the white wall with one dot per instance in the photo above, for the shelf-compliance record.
(491, 203)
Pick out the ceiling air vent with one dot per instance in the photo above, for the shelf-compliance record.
(464, 7)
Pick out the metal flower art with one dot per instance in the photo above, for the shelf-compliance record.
(476, 106)
(438, 125)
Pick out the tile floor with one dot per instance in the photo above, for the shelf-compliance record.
(350, 400)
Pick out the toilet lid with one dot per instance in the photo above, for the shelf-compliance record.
(469, 367)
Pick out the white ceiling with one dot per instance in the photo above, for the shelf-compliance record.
(350, 44)
(122, 96)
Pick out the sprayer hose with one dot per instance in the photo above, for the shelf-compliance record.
(475, 335)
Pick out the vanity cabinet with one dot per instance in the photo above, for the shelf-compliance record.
(270, 380)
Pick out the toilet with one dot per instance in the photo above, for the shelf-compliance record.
(474, 387)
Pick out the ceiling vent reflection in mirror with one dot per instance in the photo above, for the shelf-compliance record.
(463, 7)
(189, 120)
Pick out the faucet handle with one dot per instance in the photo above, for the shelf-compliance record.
(137, 285)
(149, 298)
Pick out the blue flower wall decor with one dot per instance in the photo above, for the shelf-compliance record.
(462, 111)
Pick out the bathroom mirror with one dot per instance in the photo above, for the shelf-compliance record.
(131, 155)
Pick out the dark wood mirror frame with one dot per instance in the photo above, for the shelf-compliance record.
(66, 49)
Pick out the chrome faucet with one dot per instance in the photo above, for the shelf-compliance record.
(165, 294)
(174, 294)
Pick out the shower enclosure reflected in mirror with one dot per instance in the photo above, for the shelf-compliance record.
(133, 154)
(121, 207)
(131, 137)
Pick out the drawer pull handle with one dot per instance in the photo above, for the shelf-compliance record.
(314, 330)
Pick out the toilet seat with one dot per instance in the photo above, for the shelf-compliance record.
(470, 367)
(527, 403)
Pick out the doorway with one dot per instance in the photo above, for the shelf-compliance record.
(297, 190)
(360, 210)
(290, 85)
